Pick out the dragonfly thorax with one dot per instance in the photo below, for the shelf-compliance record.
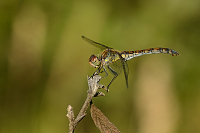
(94, 61)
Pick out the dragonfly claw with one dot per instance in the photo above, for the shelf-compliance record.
(103, 87)
(99, 94)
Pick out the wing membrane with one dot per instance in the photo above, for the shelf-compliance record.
(120, 64)
(116, 66)
(125, 68)
(96, 44)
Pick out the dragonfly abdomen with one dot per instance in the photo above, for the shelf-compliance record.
(131, 54)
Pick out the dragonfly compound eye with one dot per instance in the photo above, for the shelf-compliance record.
(94, 61)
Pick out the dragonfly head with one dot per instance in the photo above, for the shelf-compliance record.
(94, 61)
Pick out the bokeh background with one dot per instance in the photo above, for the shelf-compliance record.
(44, 64)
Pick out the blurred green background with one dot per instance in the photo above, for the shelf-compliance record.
(44, 64)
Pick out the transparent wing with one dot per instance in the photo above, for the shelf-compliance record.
(96, 44)
(118, 65)
(125, 68)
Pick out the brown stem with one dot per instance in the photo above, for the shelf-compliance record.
(93, 87)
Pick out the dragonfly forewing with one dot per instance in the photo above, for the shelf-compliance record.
(96, 44)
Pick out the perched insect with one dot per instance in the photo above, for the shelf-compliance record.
(115, 60)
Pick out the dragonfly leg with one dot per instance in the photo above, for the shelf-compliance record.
(97, 71)
(104, 70)
(115, 76)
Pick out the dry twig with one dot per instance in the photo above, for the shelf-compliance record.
(93, 87)
(100, 120)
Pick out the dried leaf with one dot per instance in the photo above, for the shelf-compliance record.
(101, 121)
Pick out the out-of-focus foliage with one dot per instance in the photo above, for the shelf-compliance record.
(44, 64)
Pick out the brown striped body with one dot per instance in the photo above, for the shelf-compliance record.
(131, 54)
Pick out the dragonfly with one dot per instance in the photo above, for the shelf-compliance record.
(116, 61)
